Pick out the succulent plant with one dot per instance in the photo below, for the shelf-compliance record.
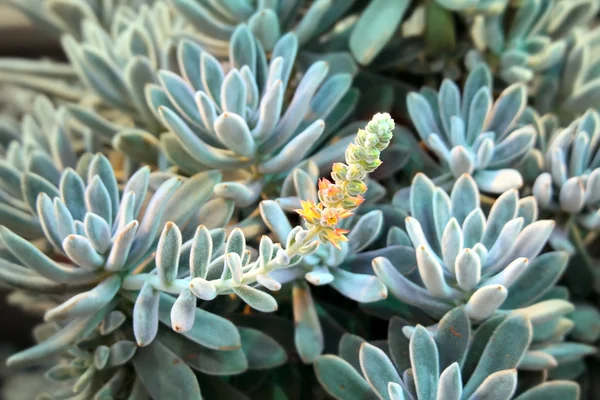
(35, 152)
(117, 62)
(107, 239)
(572, 168)
(198, 203)
(537, 38)
(67, 15)
(451, 363)
(566, 167)
(236, 121)
(474, 135)
(462, 257)
(269, 21)
(571, 88)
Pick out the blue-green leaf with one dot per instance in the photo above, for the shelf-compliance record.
(165, 375)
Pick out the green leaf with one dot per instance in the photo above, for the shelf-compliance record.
(555, 390)
(165, 375)
(375, 27)
(208, 361)
(308, 335)
(256, 299)
(349, 349)
(262, 352)
(341, 380)
(452, 337)
(511, 339)
(425, 363)
(541, 274)
(209, 330)
(378, 369)
(498, 386)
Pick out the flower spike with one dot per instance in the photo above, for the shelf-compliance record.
(338, 199)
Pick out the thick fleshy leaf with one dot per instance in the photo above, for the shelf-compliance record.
(167, 254)
(368, 37)
(499, 180)
(452, 337)
(59, 342)
(173, 378)
(511, 338)
(256, 299)
(425, 363)
(398, 344)
(86, 303)
(145, 315)
(341, 380)
(421, 208)
(209, 330)
(555, 390)
(121, 352)
(407, 291)
(275, 219)
(450, 383)
(500, 385)
(295, 149)
(30, 256)
(377, 369)
(262, 352)
(485, 301)
(190, 196)
(503, 210)
(349, 349)
(358, 287)
(232, 130)
(183, 312)
(365, 231)
(308, 335)
(200, 358)
(201, 252)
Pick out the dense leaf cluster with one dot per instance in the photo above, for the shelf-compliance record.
(210, 199)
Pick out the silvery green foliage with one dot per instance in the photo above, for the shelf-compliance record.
(465, 257)
(104, 235)
(141, 275)
(549, 347)
(80, 20)
(35, 151)
(471, 134)
(217, 268)
(216, 21)
(570, 181)
(450, 362)
(572, 87)
(237, 119)
(32, 77)
(344, 270)
(66, 16)
(537, 38)
(117, 61)
(586, 323)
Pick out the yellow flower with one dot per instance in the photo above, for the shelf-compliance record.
(335, 236)
(331, 216)
(310, 211)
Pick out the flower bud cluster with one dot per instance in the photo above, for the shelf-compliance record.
(339, 199)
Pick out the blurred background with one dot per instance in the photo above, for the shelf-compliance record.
(19, 38)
